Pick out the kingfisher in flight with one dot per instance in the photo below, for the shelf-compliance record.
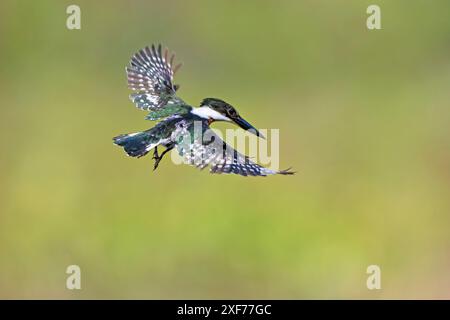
(181, 126)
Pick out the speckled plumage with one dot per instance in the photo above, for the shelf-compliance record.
(150, 75)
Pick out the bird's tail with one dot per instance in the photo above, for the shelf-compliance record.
(136, 144)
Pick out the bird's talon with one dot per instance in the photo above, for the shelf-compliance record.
(156, 164)
(155, 154)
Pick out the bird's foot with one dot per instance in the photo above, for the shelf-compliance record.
(155, 154)
(157, 160)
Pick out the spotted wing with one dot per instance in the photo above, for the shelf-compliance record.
(208, 149)
(150, 75)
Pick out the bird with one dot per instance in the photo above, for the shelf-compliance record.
(150, 74)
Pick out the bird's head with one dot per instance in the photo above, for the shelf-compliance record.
(218, 110)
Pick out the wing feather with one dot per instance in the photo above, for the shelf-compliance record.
(219, 156)
(150, 75)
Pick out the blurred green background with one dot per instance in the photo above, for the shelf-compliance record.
(363, 117)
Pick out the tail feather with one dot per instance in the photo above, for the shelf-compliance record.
(135, 144)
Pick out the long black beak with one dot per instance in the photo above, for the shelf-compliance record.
(247, 126)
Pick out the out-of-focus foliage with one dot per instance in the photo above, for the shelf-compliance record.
(363, 117)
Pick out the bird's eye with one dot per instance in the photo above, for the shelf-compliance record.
(232, 113)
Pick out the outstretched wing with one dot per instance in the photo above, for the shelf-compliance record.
(207, 148)
(150, 74)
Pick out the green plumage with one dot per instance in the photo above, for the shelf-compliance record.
(150, 75)
(167, 111)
